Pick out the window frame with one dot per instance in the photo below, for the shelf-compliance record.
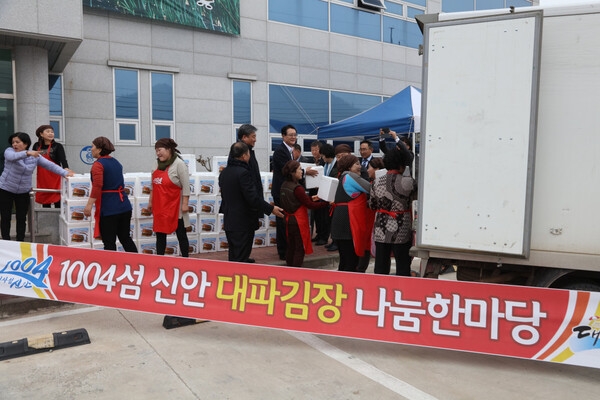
(154, 123)
(118, 122)
(59, 119)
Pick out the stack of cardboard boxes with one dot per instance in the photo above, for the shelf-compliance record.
(205, 233)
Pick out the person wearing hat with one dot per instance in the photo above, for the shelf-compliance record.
(53, 151)
(113, 209)
(15, 182)
(169, 197)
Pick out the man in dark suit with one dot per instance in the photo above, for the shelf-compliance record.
(247, 134)
(281, 155)
(241, 202)
(366, 153)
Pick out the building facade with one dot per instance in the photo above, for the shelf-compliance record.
(94, 71)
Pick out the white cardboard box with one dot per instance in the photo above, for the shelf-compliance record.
(208, 183)
(208, 242)
(193, 204)
(271, 237)
(207, 205)
(208, 223)
(143, 185)
(327, 188)
(190, 161)
(194, 247)
(260, 238)
(75, 232)
(72, 210)
(222, 243)
(219, 163)
(313, 181)
(76, 187)
(144, 228)
(141, 207)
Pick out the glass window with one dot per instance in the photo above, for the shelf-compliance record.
(394, 8)
(518, 3)
(422, 3)
(7, 126)
(350, 21)
(56, 126)
(55, 84)
(6, 78)
(56, 105)
(308, 13)
(162, 96)
(242, 102)
(458, 5)
(401, 32)
(127, 131)
(126, 94)
(304, 108)
(489, 4)
(162, 131)
(162, 105)
(345, 105)
(126, 105)
(414, 11)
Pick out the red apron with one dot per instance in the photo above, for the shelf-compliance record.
(166, 199)
(301, 215)
(47, 180)
(362, 219)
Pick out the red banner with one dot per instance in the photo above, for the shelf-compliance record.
(533, 323)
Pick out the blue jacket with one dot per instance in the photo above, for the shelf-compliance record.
(18, 170)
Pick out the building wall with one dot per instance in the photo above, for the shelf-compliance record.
(265, 52)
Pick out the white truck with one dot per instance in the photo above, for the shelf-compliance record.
(509, 173)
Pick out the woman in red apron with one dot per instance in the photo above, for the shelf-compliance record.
(391, 199)
(52, 151)
(169, 198)
(352, 219)
(296, 203)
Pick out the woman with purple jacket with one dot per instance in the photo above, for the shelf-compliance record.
(15, 182)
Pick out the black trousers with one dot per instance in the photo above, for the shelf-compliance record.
(117, 226)
(280, 231)
(401, 254)
(184, 243)
(240, 245)
(348, 258)
(322, 223)
(21, 203)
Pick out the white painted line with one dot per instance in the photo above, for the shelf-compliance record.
(392, 383)
(43, 317)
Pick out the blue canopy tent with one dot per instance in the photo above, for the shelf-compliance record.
(401, 113)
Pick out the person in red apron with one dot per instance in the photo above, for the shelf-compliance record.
(295, 202)
(169, 198)
(391, 199)
(113, 208)
(352, 219)
(52, 151)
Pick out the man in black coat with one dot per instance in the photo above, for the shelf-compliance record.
(241, 203)
(247, 134)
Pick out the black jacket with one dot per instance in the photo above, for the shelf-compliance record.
(241, 201)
